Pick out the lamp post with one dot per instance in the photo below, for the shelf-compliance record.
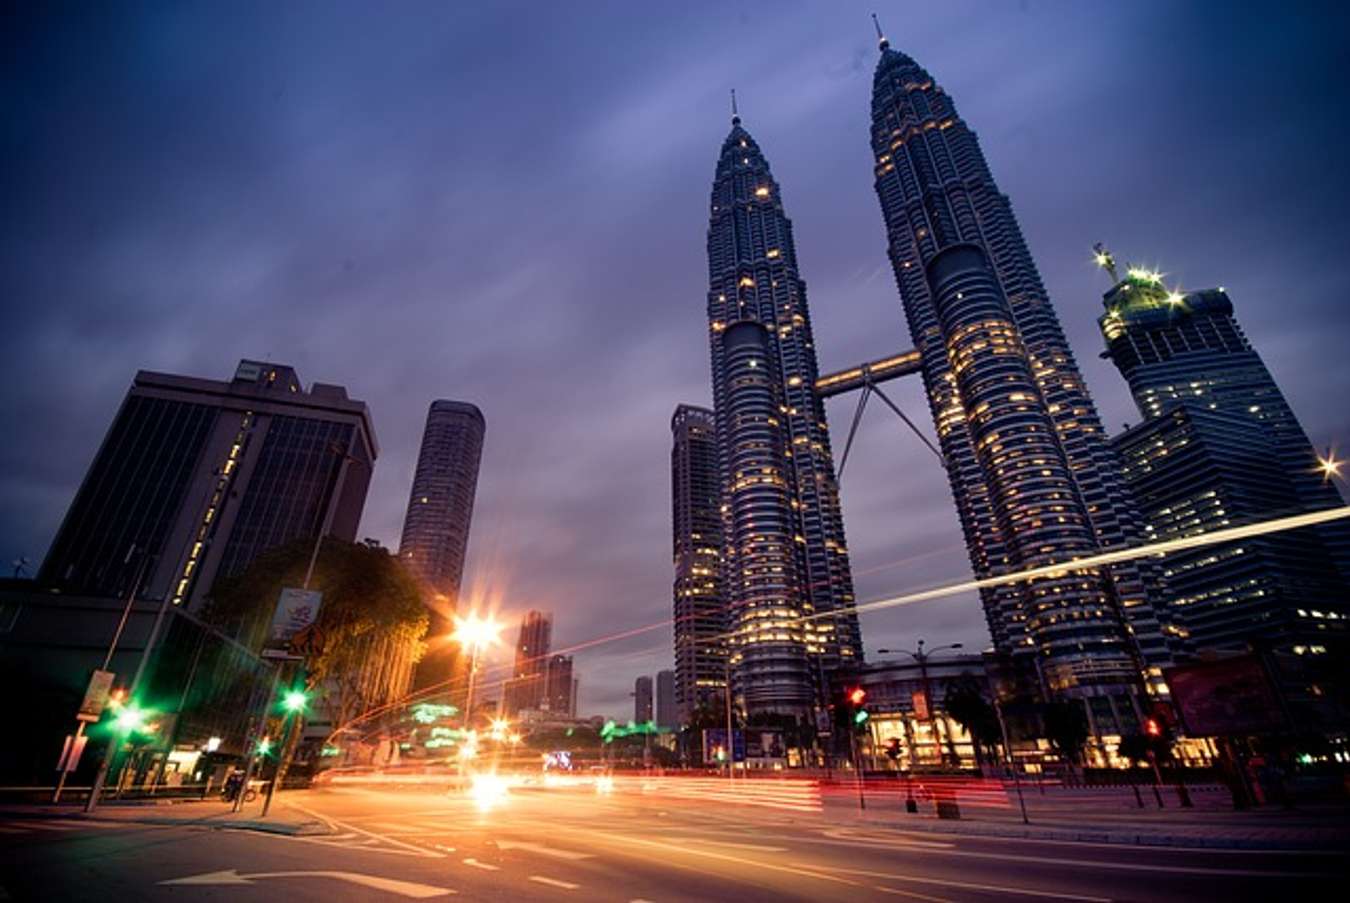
(474, 633)
(922, 656)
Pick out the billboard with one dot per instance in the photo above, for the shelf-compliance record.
(764, 744)
(296, 610)
(715, 738)
(1225, 698)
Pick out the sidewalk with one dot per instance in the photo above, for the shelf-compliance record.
(187, 813)
(1068, 816)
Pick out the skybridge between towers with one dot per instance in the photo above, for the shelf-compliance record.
(867, 377)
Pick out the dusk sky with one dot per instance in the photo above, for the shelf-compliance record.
(507, 204)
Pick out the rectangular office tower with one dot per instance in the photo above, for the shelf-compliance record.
(204, 475)
(1220, 447)
(700, 609)
(642, 700)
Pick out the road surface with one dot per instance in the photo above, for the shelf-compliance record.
(693, 843)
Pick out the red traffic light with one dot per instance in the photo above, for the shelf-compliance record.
(1152, 727)
(857, 695)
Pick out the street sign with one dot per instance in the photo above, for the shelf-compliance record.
(95, 696)
(71, 752)
(296, 609)
(920, 700)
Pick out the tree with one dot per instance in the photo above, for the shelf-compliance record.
(1065, 725)
(965, 702)
(371, 621)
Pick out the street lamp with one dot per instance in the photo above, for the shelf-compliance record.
(922, 656)
(474, 633)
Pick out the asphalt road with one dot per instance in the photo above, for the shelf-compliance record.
(628, 845)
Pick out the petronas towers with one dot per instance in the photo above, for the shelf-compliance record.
(1031, 474)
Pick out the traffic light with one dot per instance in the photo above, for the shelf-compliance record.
(893, 748)
(295, 701)
(1152, 728)
(854, 699)
(264, 746)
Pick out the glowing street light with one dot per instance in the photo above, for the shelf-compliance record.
(474, 633)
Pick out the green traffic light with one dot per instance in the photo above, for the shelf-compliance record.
(264, 746)
(861, 717)
(295, 701)
(131, 718)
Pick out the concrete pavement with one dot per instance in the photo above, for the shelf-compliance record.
(632, 844)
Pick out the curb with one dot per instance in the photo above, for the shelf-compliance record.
(308, 828)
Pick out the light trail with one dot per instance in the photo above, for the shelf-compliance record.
(1114, 556)
(1148, 550)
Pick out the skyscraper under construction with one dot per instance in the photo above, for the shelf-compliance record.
(785, 565)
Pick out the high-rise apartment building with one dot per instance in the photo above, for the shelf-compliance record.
(667, 713)
(700, 607)
(205, 475)
(642, 700)
(1220, 447)
(440, 505)
(1032, 476)
(785, 566)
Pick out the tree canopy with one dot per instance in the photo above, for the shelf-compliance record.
(367, 595)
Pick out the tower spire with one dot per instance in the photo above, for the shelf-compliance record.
(1104, 260)
(735, 115)
(881, 38)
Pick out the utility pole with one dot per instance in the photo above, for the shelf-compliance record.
(731, 737)
(115, 740)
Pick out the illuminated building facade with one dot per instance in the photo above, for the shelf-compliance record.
(1220, 447)
(1031, 473)
(205, 475)
(436, 524)
(700, 609)
(786, 574)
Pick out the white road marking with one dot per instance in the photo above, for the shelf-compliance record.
(909, 893)
(542, 850)
(441, 846)
(415, 850)
(485, 866)
(739, 846)
(725, 857)
(1127, 866)
(883, 840)
(945, 882)
(553, 882)
(389, 885)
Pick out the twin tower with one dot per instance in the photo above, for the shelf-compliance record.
(1032, 477)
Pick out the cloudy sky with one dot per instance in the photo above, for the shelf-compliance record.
(507, 204)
